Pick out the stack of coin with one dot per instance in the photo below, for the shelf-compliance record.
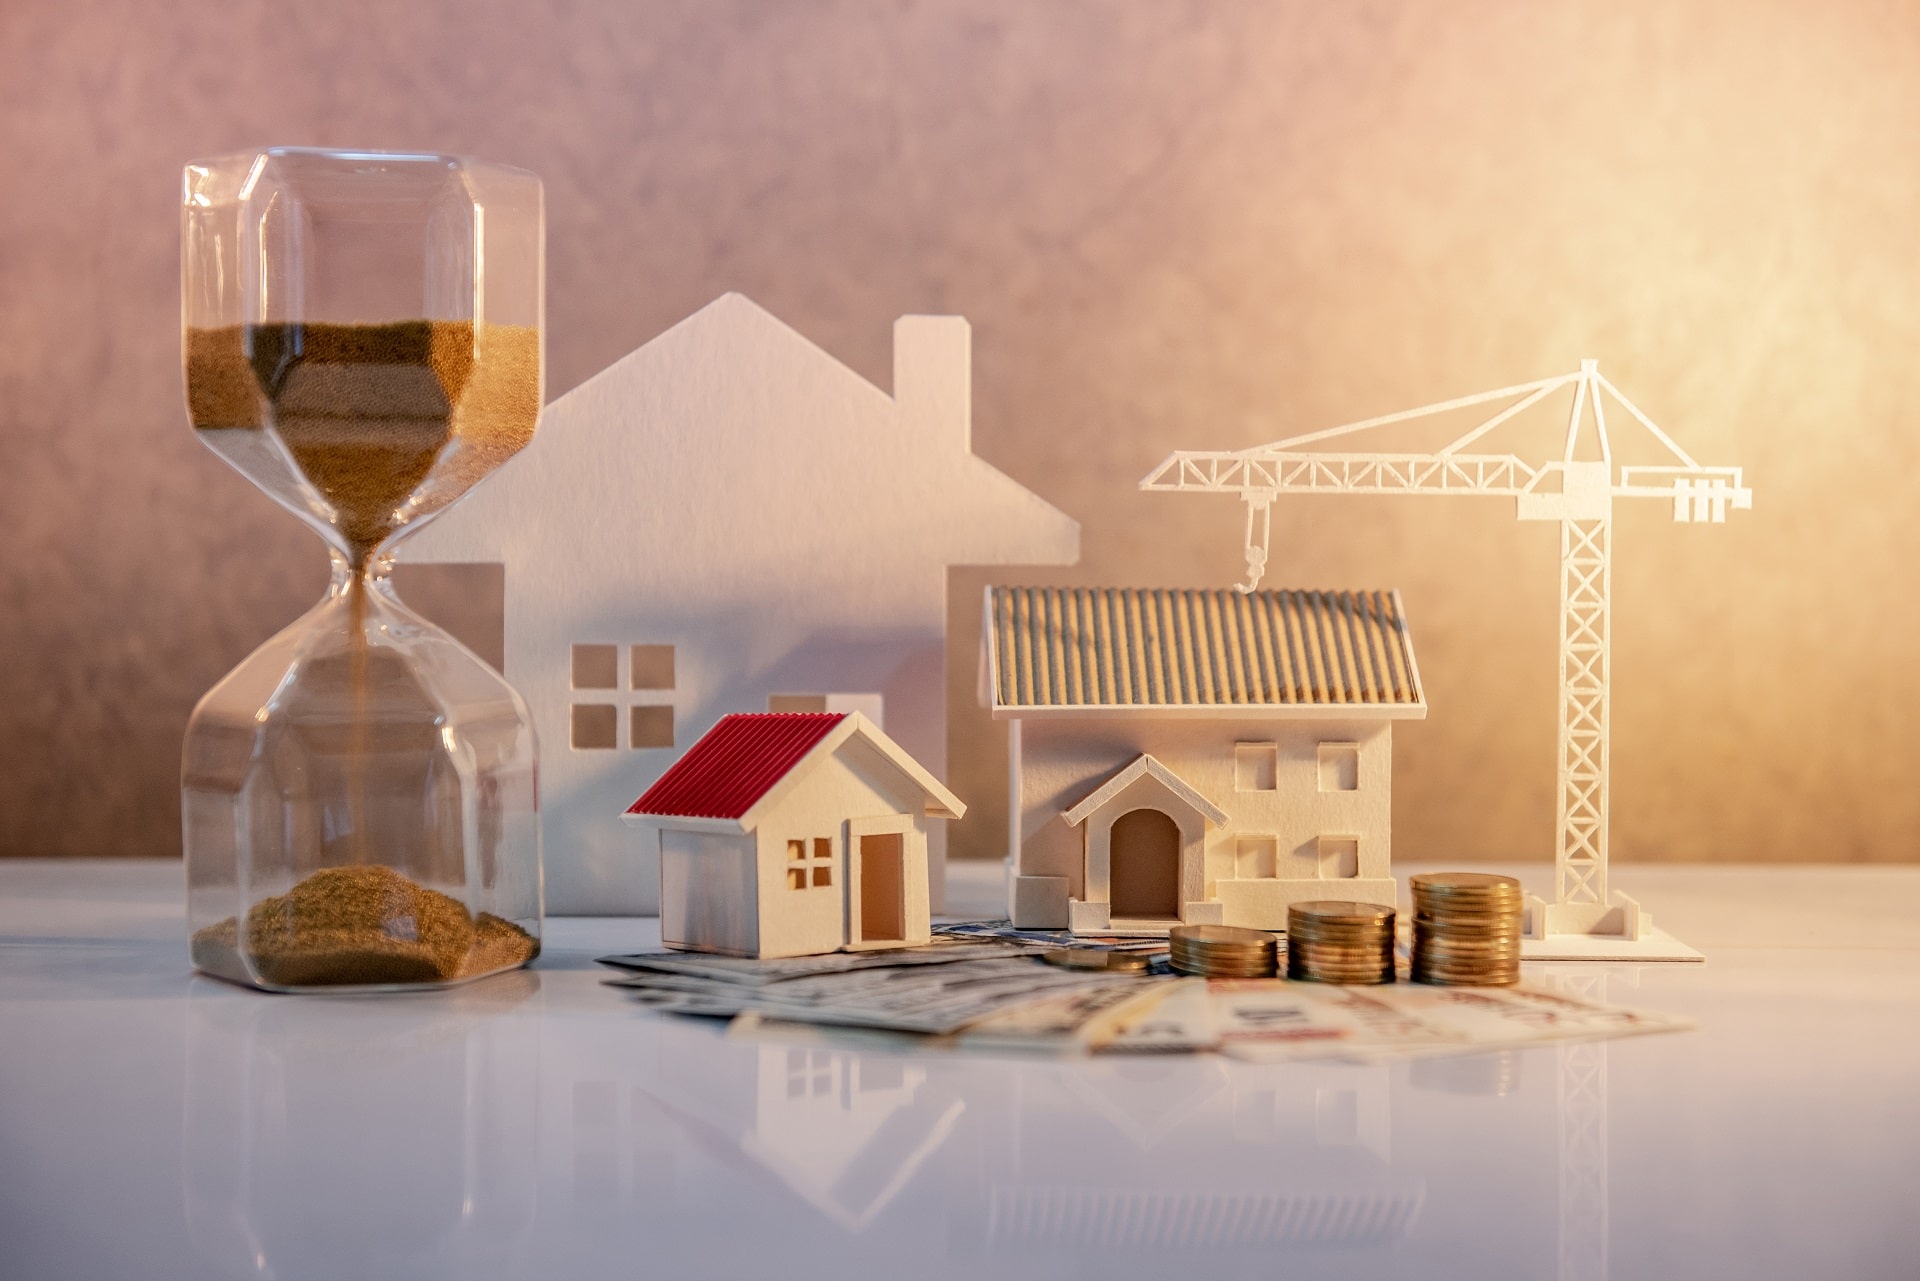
(1340, 942)
(1222, 951)
(1466, 929)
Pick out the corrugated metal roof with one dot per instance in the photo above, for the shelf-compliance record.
(736, 763)
(1127, 647)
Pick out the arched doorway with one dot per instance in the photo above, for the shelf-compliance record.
(1144, 865)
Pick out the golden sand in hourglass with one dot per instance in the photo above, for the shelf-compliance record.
(367, 412)
(385, 423)
(345, 926)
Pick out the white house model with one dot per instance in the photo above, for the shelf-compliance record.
(793, 834)
(730, 520)
(1196, 756)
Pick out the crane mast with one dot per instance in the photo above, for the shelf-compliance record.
(1579, 494)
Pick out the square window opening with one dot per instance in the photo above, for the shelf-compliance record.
(1339, 767)
(823, 847)
(796, 878)
(596, 666)
(1256, 767)
(822, 875)
(595, 726)
(1255, 856)
(651, 667)
(796, 851)
(652, 726)
(1339, 857)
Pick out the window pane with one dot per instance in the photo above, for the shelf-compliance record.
(652, 666)
(595, 725)
(652, 726)
(1339, 767)
(823, 874)
(823, 848)
(796, 878)
(596, 666)
(796, 851)
(1339, 857)
(1256, 766)
(1254, 856)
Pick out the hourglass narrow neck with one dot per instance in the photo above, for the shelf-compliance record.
(373, 573)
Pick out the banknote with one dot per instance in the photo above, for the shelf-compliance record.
(930, 999)
(1047, 940)
(1406, 1019)
(1074, 1021)
(752, 970)
(986, 988)
(1273, 1020)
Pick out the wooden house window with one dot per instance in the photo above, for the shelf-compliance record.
(810, 864)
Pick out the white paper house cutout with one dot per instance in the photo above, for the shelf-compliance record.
(724, 517)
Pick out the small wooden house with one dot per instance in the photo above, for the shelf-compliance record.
(1196, 756)
(794, 834)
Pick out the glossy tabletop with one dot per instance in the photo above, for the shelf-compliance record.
(157, 1125)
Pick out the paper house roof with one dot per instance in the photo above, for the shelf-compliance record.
(1071, 650)
(744, 764)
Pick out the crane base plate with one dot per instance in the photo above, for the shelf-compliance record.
(1654, 944)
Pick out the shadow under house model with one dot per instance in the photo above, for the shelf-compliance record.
(1181, 757)
(793, 834)
(730, 520)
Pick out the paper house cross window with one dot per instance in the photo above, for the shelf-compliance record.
(595, 726)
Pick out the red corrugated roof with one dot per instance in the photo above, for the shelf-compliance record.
(736, 763)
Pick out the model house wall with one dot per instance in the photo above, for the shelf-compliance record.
(1293, 830)
(1197, 756)
(730, 520)
(826, 850)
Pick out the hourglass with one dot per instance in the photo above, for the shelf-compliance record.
(363, 342)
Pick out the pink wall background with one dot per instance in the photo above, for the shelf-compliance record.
(1171, 225)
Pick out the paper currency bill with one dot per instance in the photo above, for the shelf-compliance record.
(1273, 1020)
(1047, 940)
(930, 999)
(754, 971)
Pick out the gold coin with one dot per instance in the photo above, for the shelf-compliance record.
(1339, 912)
(1442, 883)
(1219, 936)
(1094, 958)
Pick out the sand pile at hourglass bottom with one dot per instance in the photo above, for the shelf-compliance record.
(366, 412)
(361, 925)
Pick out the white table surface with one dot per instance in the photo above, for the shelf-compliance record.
(157, 1125)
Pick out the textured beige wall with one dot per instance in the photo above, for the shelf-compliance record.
(1171, 225)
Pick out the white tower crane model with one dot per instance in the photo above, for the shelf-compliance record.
(1586, 920)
